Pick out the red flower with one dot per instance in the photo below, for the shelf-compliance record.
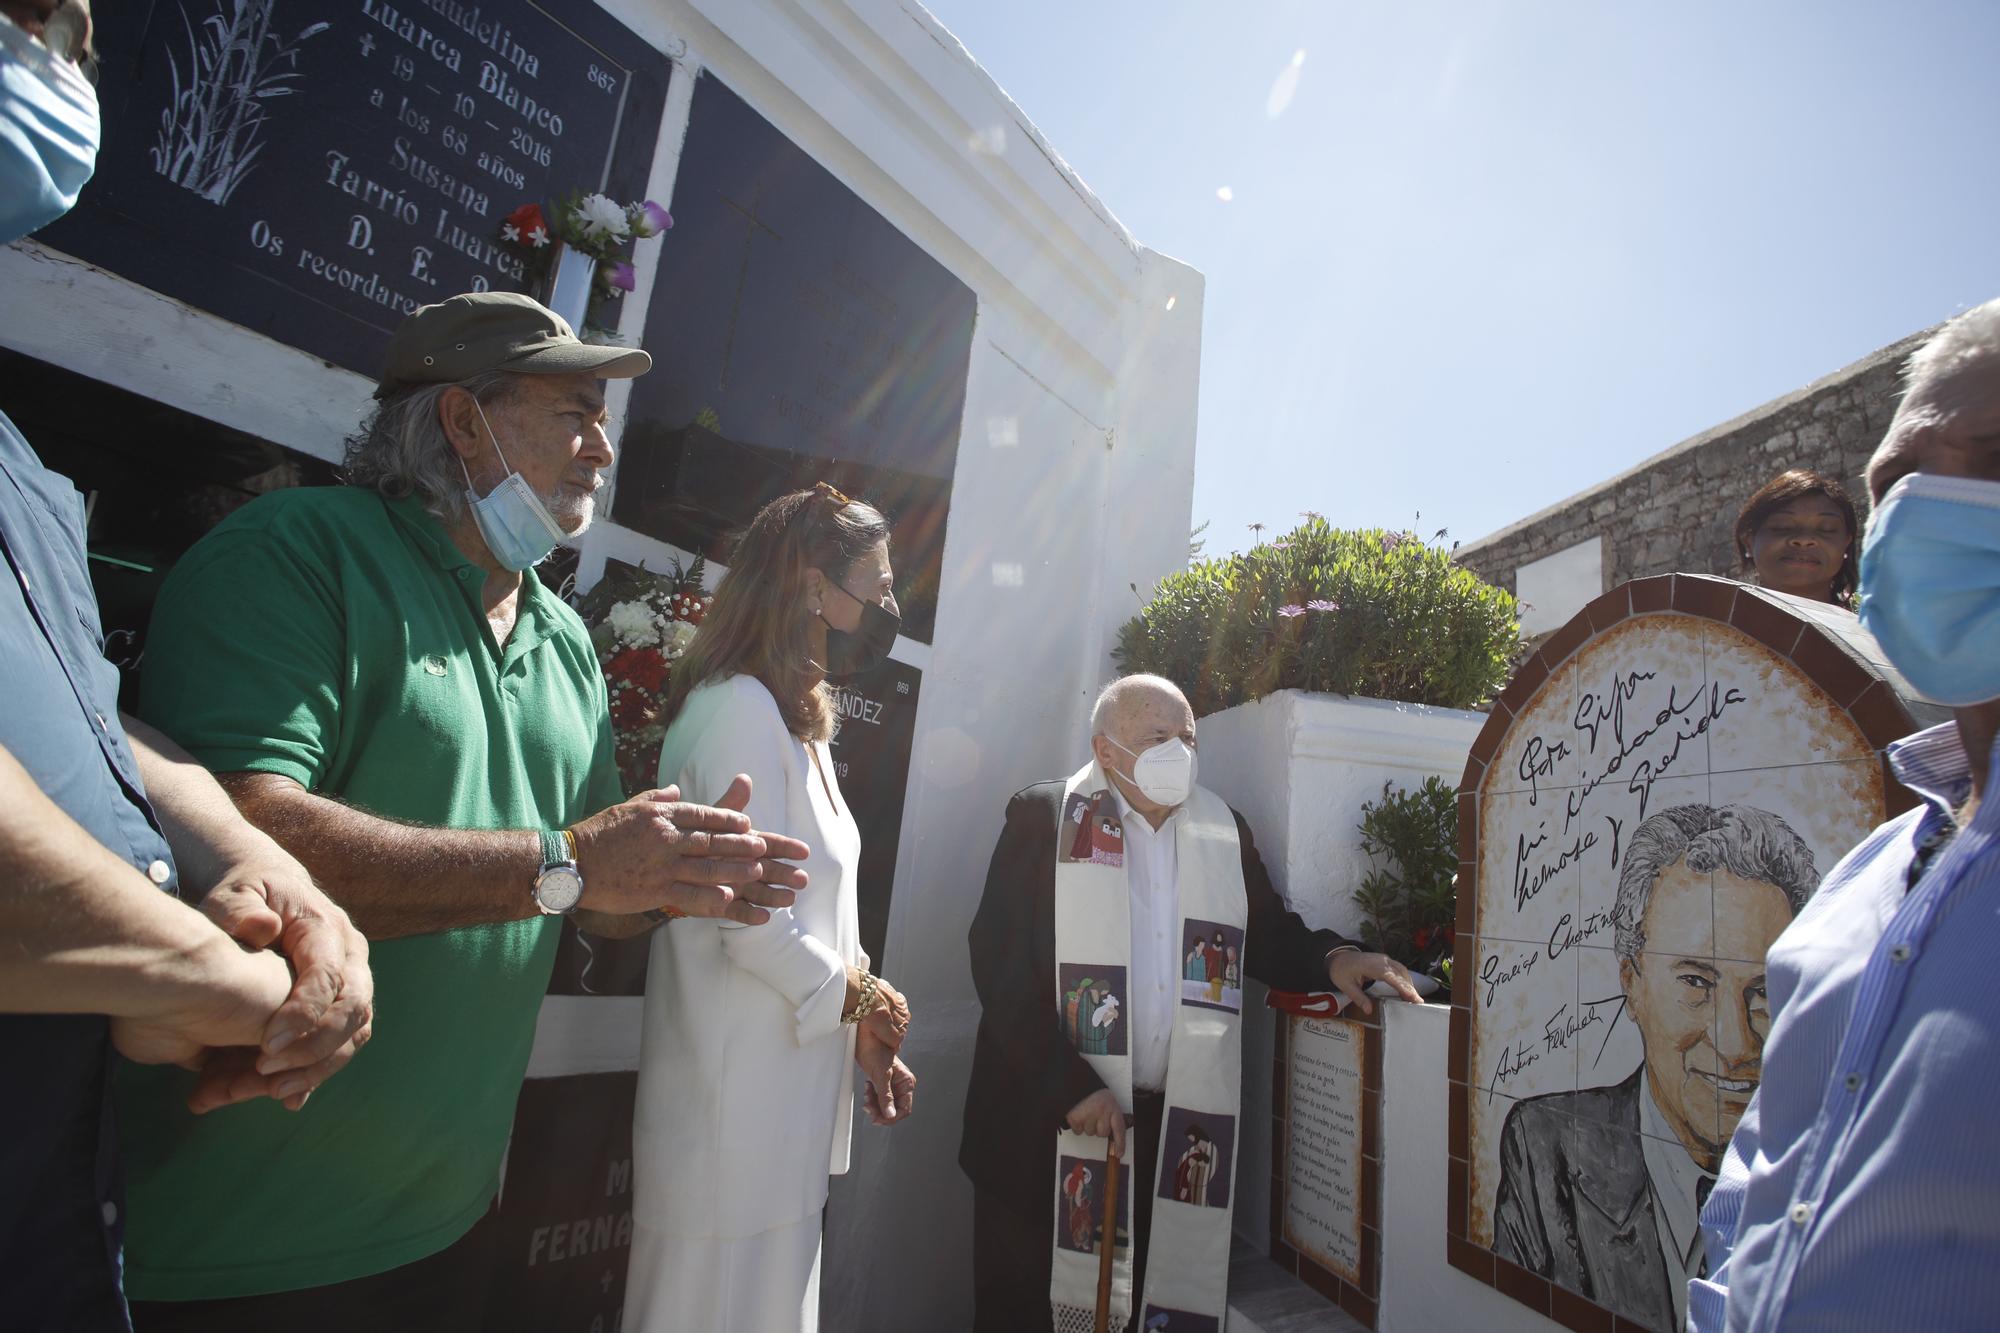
(1422, 939)
(524, 220)
(629, 710)
(643, 667)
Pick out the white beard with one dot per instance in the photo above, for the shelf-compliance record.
(571, 511)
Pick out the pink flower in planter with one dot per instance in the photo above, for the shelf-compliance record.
(1291, 610)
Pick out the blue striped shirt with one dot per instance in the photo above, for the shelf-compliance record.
(1862, 1188)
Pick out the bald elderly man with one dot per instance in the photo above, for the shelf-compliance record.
(1125, 882)
(1860, 1190)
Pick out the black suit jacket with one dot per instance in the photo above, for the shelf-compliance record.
(1574, 1202)
(1025, 1073)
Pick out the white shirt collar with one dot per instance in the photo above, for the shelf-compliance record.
(1131, 818)
(1674, 1176)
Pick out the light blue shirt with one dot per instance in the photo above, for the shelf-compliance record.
(1862, 1188)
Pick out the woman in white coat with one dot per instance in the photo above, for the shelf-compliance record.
(753, 1033)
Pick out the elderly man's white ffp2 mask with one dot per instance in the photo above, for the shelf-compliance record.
(1164, 772)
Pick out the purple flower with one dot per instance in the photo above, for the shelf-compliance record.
(649, 219)
(622, 277)
(1281, 546)
(1322, 604)
(1291, 609)
(1391, 540)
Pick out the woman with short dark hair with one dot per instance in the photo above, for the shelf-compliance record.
(752, 1033)
(1797, 534)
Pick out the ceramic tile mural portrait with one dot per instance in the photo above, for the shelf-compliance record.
(1657, 814)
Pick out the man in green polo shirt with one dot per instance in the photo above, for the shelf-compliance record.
(384, 686)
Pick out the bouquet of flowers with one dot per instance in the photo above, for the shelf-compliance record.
(640, 624)
(595, 226)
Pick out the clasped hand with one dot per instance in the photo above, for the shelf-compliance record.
(288, 997)
(891, 1092)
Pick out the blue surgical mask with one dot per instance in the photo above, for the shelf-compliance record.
(511, 517)
(48, 133)
(1930, 585)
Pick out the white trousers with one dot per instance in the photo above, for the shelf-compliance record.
(767, 1283)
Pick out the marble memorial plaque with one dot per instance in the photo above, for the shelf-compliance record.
(797, 336)
(1323, 1173)
(316, 170)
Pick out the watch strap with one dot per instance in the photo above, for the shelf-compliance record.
(556, 848)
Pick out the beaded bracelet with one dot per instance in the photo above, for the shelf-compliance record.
(864, 1003)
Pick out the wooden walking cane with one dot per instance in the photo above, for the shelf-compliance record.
(1106, 1256)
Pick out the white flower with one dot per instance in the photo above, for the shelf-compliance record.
(679, 635)
(634, 623)
(539, 236)
(509, 232)
(598, 216)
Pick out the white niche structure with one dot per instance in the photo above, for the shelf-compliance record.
(1298, 767)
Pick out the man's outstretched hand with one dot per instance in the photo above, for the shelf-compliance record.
(1351, 970)
(657, 851)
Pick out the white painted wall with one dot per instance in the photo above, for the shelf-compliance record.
(1556, 587)
(1298, 768)
(1074, 486)
(1421, 1293)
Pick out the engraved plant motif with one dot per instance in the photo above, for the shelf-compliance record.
(211, 132)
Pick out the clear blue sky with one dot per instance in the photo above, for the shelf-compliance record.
(1493, 252)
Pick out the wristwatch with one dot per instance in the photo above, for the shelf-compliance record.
(559, 886)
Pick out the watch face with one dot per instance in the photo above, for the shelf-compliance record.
(558, 890)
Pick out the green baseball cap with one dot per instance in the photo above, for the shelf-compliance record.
(479, 331)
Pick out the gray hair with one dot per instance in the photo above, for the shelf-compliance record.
(1958, 369)
(401, 448)
(1112, 698)
(1747, 842)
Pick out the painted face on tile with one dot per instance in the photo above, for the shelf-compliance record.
(1704, 1014)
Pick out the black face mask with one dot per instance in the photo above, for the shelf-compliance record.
(865, 648)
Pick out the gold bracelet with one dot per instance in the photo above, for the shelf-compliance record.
(864, 1003)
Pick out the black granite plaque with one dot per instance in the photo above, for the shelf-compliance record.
(316, 169)
(564, 1231)
(797, 336)
(871, 756)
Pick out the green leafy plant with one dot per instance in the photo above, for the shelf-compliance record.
(1347, 611)
(1410, 903)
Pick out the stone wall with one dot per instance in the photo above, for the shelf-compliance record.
(1676, 511)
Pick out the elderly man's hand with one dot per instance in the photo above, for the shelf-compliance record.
(1099, 1114)
(1351, 970)
(267, 901)
(658, 851)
